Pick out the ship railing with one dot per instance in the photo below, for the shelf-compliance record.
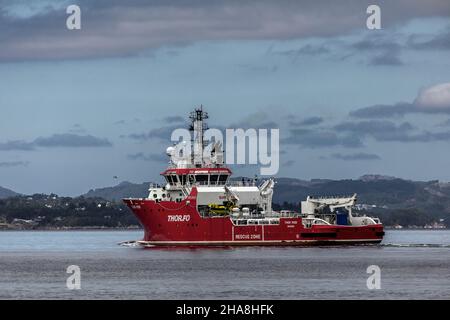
(283, 214)
(241, 183)
(331, 197)
(222, 183)
(154, 186)
(206, 183)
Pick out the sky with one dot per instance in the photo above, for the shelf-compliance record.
(81, 107)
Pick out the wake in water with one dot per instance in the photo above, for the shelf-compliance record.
(130, 243)
(415, 245)
(134, 243)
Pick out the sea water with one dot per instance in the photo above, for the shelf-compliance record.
(413, 264)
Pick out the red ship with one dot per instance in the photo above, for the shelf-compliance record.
(201, 206)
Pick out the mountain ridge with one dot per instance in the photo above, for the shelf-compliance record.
(7, 193)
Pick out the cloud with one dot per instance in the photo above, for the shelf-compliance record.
(355, 156)
(171, 119)
(77, 128)
(387, 131)
(18, 145)
(161, 133)
(256, 120)
(380, 130)
(320, 139)
(375, 43)
(150, 157)
(437, 42)
(71, 140)
(10, 164)
(387, 58)
(288, 163)
(306, 50)
(382, 50)
(122, 28)
(434, 99)
(307, 121)
(57, 140)
(383, 110)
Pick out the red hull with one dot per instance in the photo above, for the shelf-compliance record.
(179, 223)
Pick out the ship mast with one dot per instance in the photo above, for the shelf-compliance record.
(198, 127)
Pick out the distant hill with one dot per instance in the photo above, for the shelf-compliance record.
(122, 190)
(6, 193)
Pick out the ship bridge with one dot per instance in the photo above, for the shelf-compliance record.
(177, 177)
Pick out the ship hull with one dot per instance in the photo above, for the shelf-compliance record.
(169, 223)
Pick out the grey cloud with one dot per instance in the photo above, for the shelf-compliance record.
(171, 119)
(124, 122)
(383, 111)
(118, 28)
(306, 50)
(376, 43)
(387, 58)
(9, 164)
(431, 100)
(437, 42)
(257, 120)
(161, 133)
(150, 157)
(18, 145)
(399, 109)
(355, 156)
(425, 137)
(307, 121)
(77, 128)
(71, 140)
(320, 139)
(387, 131)
(56, 140)
(380, 130)
(381, 49)
(289, 163)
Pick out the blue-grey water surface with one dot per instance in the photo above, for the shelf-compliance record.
(415, 264)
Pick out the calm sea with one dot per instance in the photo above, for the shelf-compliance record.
(33, 264)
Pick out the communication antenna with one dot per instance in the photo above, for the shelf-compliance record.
(198, 127)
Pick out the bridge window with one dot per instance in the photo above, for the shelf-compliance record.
(202, 178)
(214, 178)
(223, 178)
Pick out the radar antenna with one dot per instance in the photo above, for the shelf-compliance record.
(198, 127)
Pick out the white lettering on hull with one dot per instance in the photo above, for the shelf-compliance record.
(178, 218)
(248, 237)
